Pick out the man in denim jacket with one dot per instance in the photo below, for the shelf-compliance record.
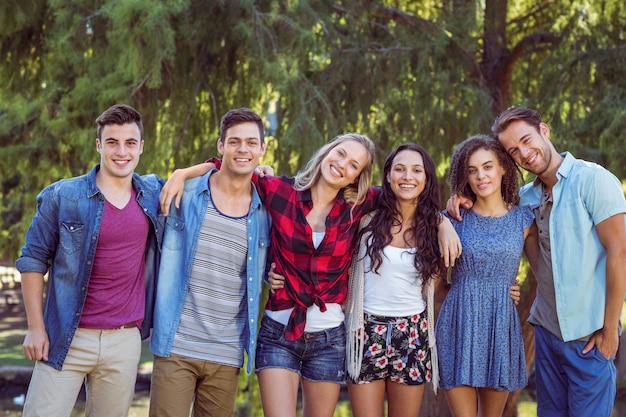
(97, 235)
(214, 253)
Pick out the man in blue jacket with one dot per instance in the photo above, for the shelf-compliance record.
(213, 263)
(97, 236)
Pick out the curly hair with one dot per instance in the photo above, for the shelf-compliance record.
(426, 218)
(458, 175)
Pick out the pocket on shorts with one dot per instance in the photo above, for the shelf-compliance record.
(269, 333)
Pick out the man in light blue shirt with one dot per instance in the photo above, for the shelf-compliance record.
(580, 213)
(213, 263)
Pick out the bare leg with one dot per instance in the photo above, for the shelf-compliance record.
(404, 400)
(492, 402)
(367, 400)
(319, 399)
(279, 392)
(463, 401)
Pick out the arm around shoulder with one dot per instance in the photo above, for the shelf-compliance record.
(175, 185)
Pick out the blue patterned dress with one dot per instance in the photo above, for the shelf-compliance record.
(479, 338)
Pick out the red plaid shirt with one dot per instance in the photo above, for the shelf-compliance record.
(312, 276)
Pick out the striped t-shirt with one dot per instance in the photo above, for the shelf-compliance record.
(213, 322)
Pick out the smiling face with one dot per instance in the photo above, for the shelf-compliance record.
(485, 173)
(531, 149)
(241, 149)
(343, 164)
(407, 176)
(119, 147)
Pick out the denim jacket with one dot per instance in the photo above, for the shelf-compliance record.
(62, 238)
(179, 245)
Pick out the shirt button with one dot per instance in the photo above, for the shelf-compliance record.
(251, 299)
(250, 258)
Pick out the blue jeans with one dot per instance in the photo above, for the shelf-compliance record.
(316, 356)
(570, 383)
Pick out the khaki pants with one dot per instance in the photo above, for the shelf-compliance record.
(105, 360)
(178, 381)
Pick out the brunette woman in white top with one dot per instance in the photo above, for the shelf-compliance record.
(388, 347)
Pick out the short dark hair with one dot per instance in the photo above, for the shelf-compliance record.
(513, 114)
(119, 114)
(238, 116)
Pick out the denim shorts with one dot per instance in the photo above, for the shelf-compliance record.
(316, 356)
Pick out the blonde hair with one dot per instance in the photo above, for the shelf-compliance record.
(353, 193)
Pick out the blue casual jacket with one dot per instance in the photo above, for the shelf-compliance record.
(179, 245)
(62, 238)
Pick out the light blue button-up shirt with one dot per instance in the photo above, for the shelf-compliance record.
(585, 194)
(179, 245)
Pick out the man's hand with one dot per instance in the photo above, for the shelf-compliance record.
(36, 345)
(515, 292)
(606, 340)
(455, 202)
(173, 189)
(449, 242)
(263, 170)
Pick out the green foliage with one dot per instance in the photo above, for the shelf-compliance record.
(432, 72)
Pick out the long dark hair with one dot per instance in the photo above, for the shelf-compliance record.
(423, 233)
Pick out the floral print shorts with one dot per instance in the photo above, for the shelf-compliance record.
(396, 348)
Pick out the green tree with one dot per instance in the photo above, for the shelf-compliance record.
(432, 72)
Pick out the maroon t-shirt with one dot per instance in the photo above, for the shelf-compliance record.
(116, 295)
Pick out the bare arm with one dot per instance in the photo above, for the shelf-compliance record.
(612, 234)
(175, 185)
(36, 342)
(531, 246)
(449, 242)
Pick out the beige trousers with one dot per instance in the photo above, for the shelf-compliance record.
(105, 360)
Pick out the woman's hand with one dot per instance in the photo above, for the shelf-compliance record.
(276, 281)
